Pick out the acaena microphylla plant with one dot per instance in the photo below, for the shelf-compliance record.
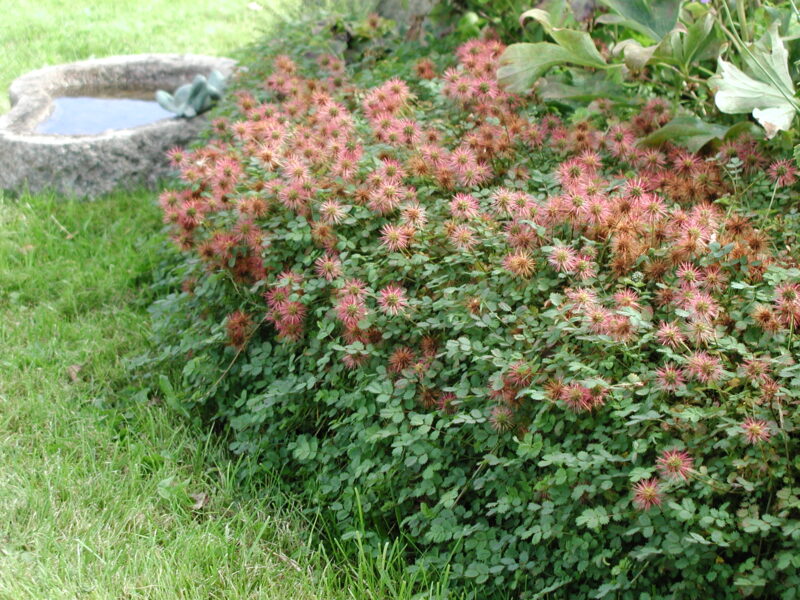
(549, 358)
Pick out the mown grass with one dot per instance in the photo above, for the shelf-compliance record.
(103, 498)
(37, 33)
(103, 493)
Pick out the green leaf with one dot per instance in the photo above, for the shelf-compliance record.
(170, 397)
(639, 473)
(679, 47)
(578, 43)
(585, 88)
(739, 93)
(695, 41)
(697, 538)
(193, 98)
(522, 64)
(306, 448)
(768, 93)
(448, 499)
(558, 10)
(653, 18)
(593, 518)
(635, 55)
(769, 60)
(750, 581)
(688, 130)
(530, 447)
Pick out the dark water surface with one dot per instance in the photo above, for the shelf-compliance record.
(83, 115)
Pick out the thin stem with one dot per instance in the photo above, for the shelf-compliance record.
(708, 72)
(785, 436)
(772, 199)
(743, 19)
(684, 76)
(766, 512)
(735, 181)
(646, 564)
(796, 12)
(710, 481)
(477, 472)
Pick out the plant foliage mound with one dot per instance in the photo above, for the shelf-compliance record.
(549, 358)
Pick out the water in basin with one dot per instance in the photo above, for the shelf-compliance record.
(89, 115)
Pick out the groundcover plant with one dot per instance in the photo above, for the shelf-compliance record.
(549, 359)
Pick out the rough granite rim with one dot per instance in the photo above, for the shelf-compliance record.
(75, 158)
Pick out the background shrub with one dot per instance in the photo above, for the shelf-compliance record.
(548, 359)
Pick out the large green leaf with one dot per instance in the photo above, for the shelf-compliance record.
(578, 43)
(686, 130)
(679, 47)
(697, 40)
(740, 93)
(559, 11)
(584, 88)
(522, 64)
(694, 133)
(767, 91)
(683, 44)
(653, 18)
(769, 61)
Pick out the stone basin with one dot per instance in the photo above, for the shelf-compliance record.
(90, 165)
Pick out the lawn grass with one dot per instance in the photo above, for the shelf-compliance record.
(103, 496)
(97, 500)
(37, 33)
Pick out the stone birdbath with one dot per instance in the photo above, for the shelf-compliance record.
(86, 128)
